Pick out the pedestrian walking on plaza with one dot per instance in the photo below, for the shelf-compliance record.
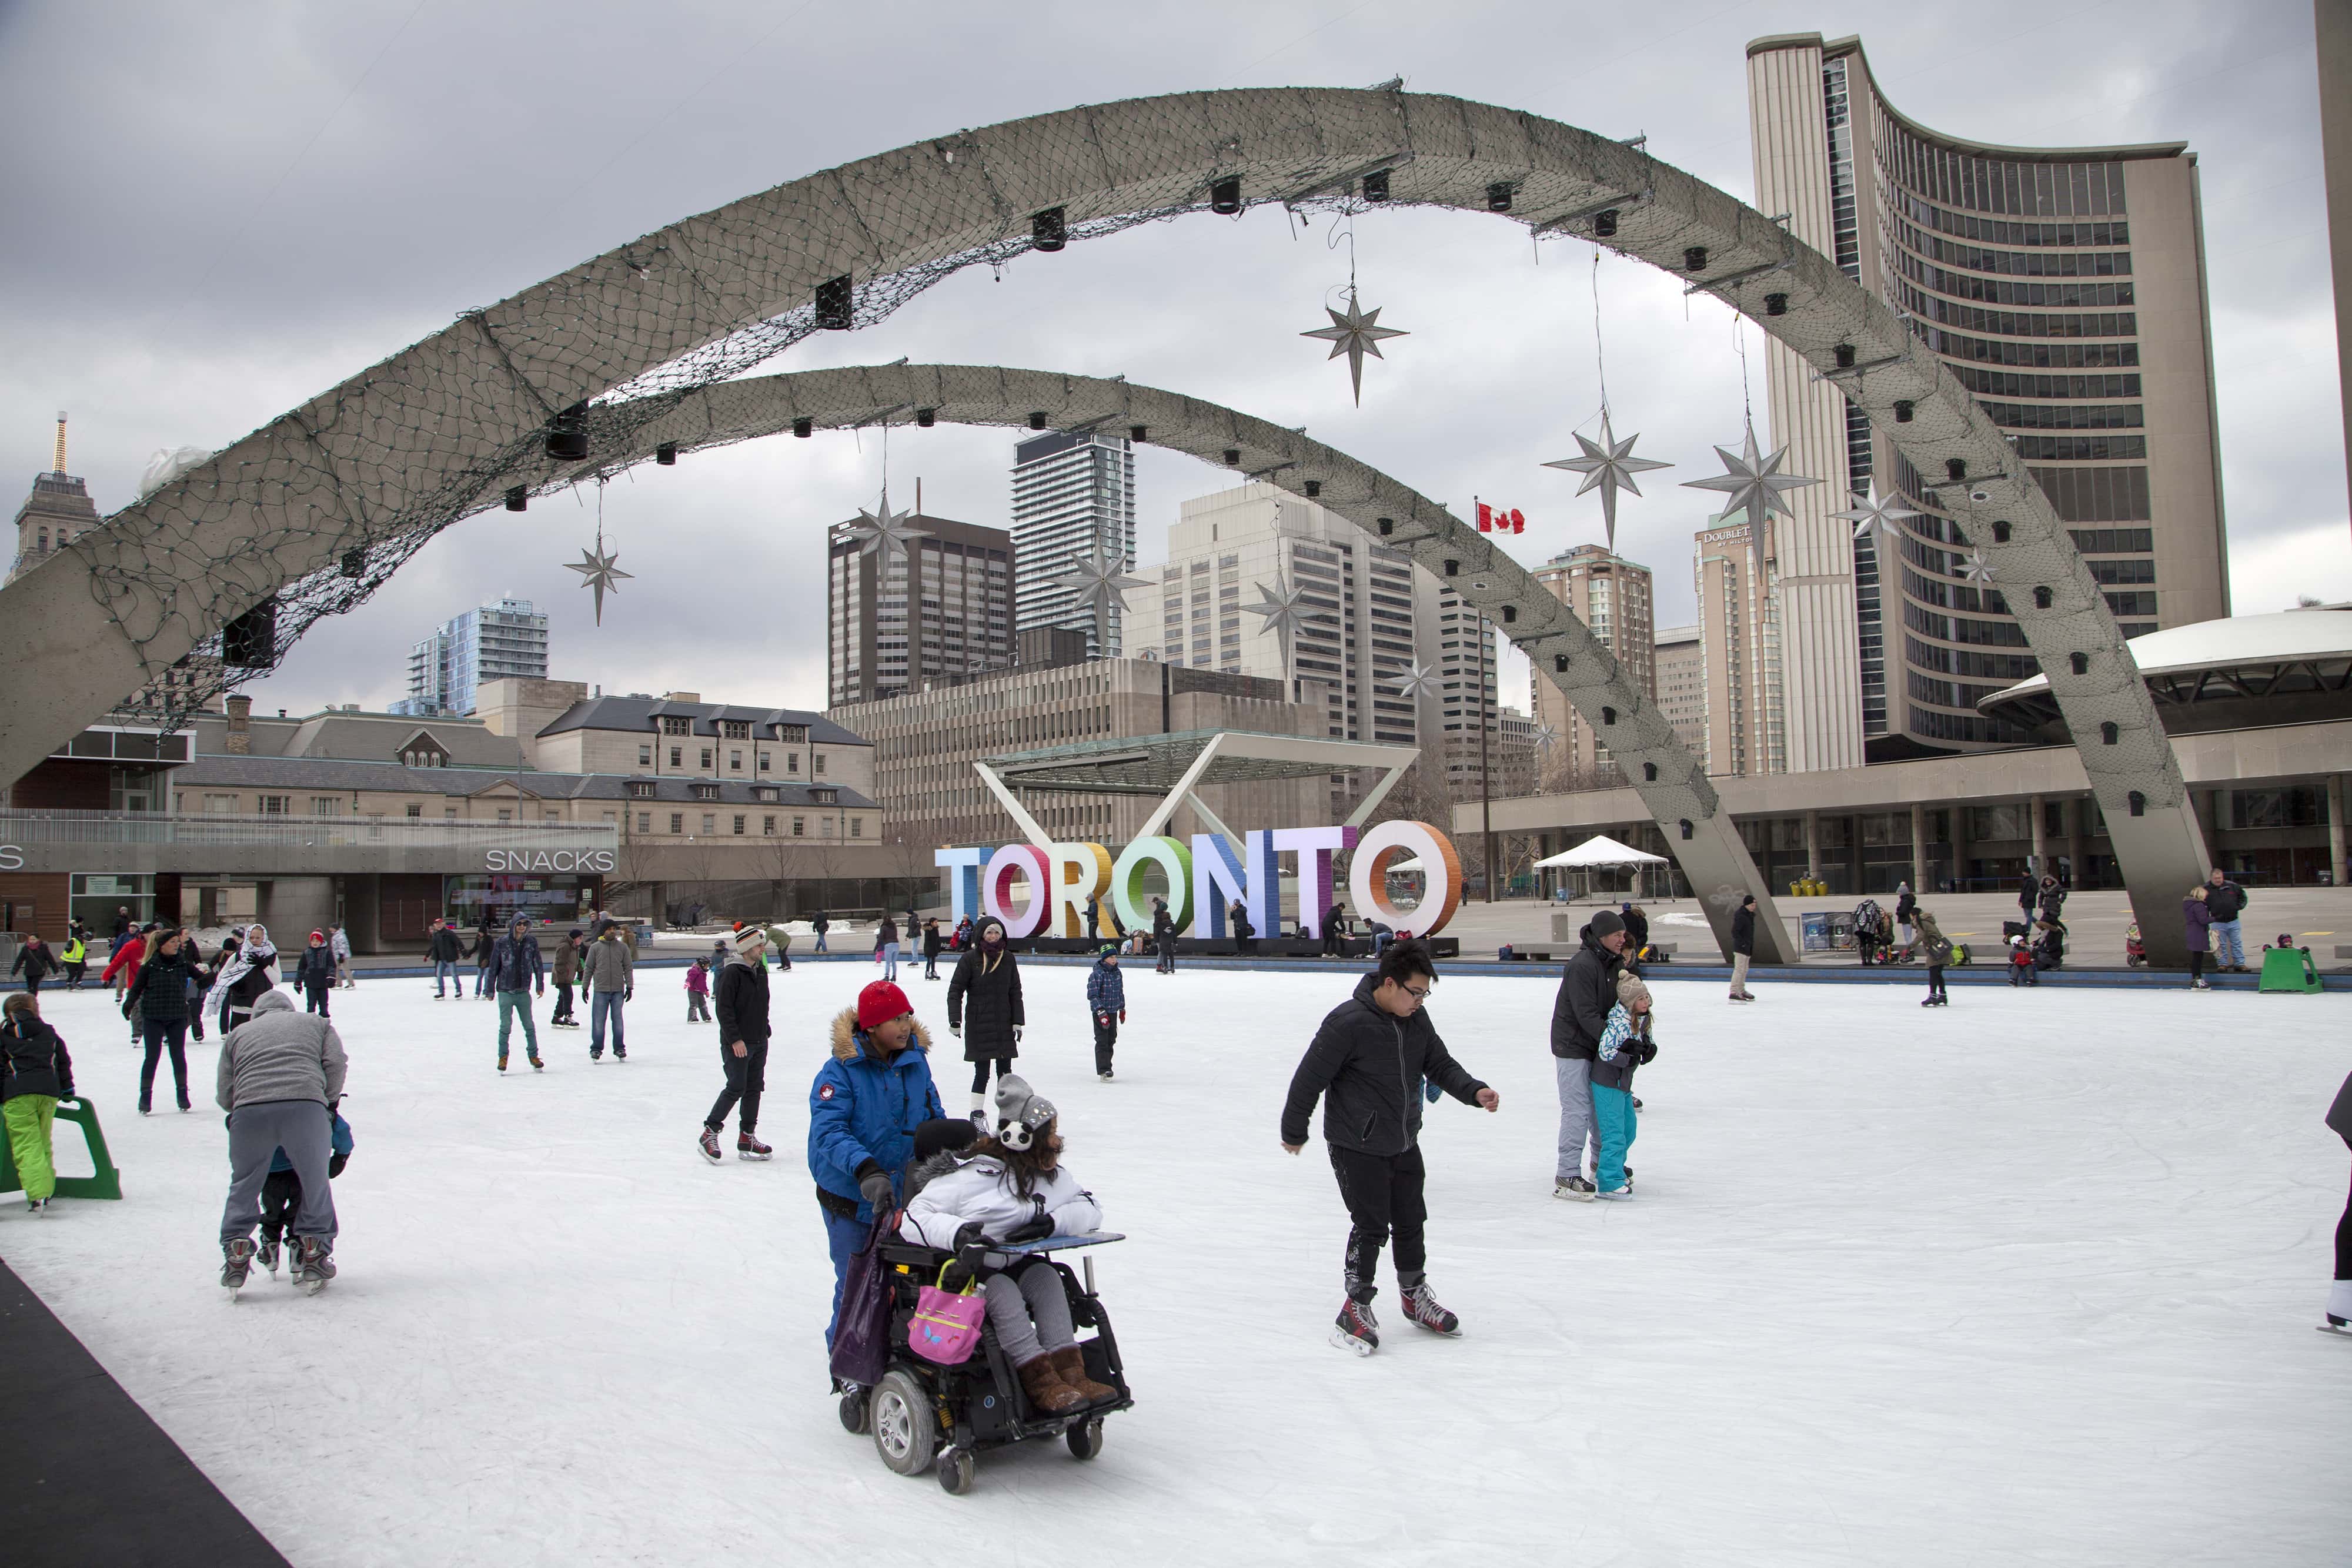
(2029, 895)
(2053, 900)
(987, 983)
(609, 970)
(931, 949)
(35, 962)
(1743, 947)
(75, 956)
(279, 1072)
(1367, 1063)
(863, 1107)
(443, 951)
(2339, 1295)
(2198, 919)
(567, 974)
(1907, 906)
(1936, 949)
(820, 925)
(742, 1047)
(1163, 936)
(515, 968)
(314, 972)
(157, 1005)
(243, 980)
(1107, 1003)
(36, 1072)
(2227, 900)
(339, 943)
(886, 942)
(1579, 1013)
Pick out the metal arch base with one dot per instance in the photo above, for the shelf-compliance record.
(388, 457)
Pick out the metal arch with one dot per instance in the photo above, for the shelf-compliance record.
(385, 456)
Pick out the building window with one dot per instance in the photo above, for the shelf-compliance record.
(326, 805)
(767, 826)
(642, 790)
(816, 762)
(706, 757)
(417, 811)
(644, 755)
(764, 760)
(677, 726)
(644, 821)
(450, 812)
(677, 821)
(738, 826)
(857, 827)
(792, 762)
(552, 814)
(709, 823)
(275, 805)
(674, 762)
(736, 729)
(800, 827)
(506, 814)
(735, 761)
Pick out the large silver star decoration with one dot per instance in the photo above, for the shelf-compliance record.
(599, 572)
(1354, 334)
(1975, 567)
(1280, 607)
(1610, 466)
(1098, 580)
(1416, 680)
(1752, 482)
(1874, 514)
(1546, 735)
(886, 532)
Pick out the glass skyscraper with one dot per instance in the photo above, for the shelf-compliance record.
(488, 644)
(1071, 492)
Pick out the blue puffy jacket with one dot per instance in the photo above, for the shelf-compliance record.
(863, 1108)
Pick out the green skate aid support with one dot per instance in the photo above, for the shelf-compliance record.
(104, 1182)
(2288, 969)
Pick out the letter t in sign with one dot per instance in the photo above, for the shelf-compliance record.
(1315, 847)
(962, 867)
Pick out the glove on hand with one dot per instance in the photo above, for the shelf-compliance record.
(1649, 1052)
(875, 1188)
(1016, 1034)
(1037, 1227)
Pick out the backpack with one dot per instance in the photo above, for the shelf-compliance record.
(1865, 916)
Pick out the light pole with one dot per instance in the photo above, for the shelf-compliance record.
(1485, 773)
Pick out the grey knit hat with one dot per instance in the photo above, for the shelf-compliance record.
(1021, 1112)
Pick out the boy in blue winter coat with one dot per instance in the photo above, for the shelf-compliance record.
(281, 1191)
(864, 1108)
(1107, 999)
(1626, 1044)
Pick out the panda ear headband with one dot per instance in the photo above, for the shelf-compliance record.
(1018, 1133)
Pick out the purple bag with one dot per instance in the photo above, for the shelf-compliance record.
(861, 1332)
(946, 1324)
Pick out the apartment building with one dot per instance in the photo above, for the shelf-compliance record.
(898, 618)
(1613, 596)
(1678, 674)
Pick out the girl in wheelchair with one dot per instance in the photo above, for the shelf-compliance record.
(1012, 1187)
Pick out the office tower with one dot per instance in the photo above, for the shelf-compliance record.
(1456, 643)
(961, 586)
(494, 642)
(1073, 496)
(1678, 676)
(1742, 652)
(2065, 288)
(1611, 595)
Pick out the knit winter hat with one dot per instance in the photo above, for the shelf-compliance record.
(317, 936)
(750, 936)
(1629, 988)
(1108, 949)
(986, 923)
(1606, 922)
(880, 1002)
(1021, 1112)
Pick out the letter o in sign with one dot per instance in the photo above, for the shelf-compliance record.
(1026, 861)
(1441, 872)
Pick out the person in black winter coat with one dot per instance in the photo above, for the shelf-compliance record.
(743, 1003)
(1637, 931)
(931, 944)
(1244, 934)
(2029, 896)
(2052, 900)
(1367, 1064)
(1587, 989)
(988, 979)
(1743, 947)
(315, 973)
(1163, 938)
(2339, 1295)
(36, 1072)
(158, 1001)
(37, 962)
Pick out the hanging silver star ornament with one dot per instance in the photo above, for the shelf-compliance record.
(599, 572)
(1546, 735)
(1416, 680)
(1975, 567)
(1608, 464)
(1354, 334)
(1753, 484)
(1280, 607)
(1101, 582)
(1872, 514)
(885, 531)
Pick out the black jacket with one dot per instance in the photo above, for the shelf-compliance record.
(445, 948)
(2227, 902)
(2339, 1115)
(1905, 907)
(991, 991)
(2029, 893)
(33, 1061)
(35, 963)
(1637, 931)
(1587, 989)
(159, 992)
(1743, 930)
(1367, 1066)
(2053, 899)
(1162, 923)
(316, 968)
(931, 940)
(741, 997)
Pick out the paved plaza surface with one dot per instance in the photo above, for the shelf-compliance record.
(2029, 1279)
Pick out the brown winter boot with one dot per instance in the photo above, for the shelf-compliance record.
(1046, 1391)
(1070, 1366)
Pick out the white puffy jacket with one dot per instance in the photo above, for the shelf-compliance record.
(981, 1190)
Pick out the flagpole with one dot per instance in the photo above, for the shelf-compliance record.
(1485, 773)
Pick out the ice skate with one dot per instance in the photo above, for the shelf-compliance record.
(502, 1064)
(1616, 1192)
(620, 1053)
(748, 1147)
(708, 1144)
(1421, 1307)
(236, 1262)
(316, 1265)
(36, 1207)
(269, 1255)
(2335, 1325)
(536, 1064)
(1355, 1329)
(1576, 1189)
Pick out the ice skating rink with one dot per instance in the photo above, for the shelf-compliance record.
(2027, 1279)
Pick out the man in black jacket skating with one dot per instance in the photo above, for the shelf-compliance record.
(1587, 989)
(742, 997)
(1367, 1064)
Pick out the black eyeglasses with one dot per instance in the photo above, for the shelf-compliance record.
(1416, 992)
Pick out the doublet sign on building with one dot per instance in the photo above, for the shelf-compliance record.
(1203, 877)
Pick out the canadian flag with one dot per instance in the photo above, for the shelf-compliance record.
(1498, 520)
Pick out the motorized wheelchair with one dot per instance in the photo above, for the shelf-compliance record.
(925, 1415)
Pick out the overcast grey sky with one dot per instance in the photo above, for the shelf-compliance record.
(215, 212)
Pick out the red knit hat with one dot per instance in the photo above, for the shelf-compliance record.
(879, 1003)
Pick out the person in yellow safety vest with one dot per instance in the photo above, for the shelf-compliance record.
(75, 956)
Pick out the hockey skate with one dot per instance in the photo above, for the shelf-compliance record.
(536, 1064)
(236, 1262)
(748, 1147)
(1355, 1329)
(2335, 1325)
(316, 1264)
(1576, 1189)
(708, 1145)
(1421, 1307)
(269, 1255)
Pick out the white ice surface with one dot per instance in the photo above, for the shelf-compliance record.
(2029, 1279)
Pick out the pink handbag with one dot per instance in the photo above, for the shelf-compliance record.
(946, 1324)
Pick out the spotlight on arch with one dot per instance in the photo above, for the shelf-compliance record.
(1498, 196)
(567, 434)
(1136, 432)
(832, 303)
(666, 454)
(1604, 224)
(1776, 304)
(1376, 186)
(518, 499)
(1903, 411)
(1314, 488)
(1037, 419)
(1694, 258)
(1233, 456)
(1047, 230)
(804, 427)
(355, 563)
(1226, 197)
(927, 417)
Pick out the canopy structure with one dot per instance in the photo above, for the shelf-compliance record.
(1600, 850)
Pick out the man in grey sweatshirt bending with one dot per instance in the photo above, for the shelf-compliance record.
(280, 1073)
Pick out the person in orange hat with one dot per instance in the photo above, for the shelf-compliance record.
(864, 1108)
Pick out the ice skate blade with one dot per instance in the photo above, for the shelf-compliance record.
(1349, 1342)
(2343, 1333)
(748, 1155)
(312, 1287)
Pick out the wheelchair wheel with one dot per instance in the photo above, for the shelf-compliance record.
(905, 1434)
(1086, 1438)
(857, 1412)
(955, 1468)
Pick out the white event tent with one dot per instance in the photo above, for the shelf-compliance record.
(1602, 852)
